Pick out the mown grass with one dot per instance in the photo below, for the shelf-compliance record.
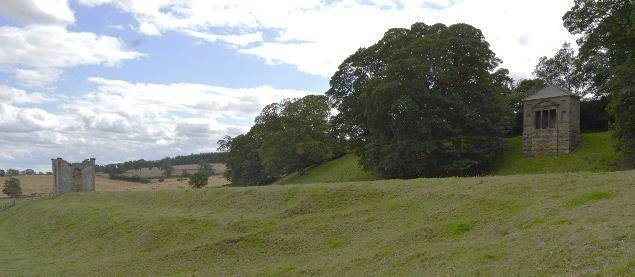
(597, 154)
(344, 169)
(555, 224)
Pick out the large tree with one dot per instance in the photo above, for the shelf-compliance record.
(607, 36)
(244, 166)
(298, 134)
(424, 101)
(287, 137)
(561, 69)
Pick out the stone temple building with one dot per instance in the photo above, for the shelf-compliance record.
(73, 177)
(551, 122)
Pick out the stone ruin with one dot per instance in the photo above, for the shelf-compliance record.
(73, 177)
(551, 122)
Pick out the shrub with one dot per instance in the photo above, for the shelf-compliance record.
(198, 180)
(12, 187)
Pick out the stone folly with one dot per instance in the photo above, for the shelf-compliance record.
(551, 122)
(73, 177)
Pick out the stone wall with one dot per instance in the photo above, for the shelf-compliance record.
(73, 177)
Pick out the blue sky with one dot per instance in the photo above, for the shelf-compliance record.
(128, 79)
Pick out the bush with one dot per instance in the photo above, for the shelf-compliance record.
(12, 187)
(198, 180)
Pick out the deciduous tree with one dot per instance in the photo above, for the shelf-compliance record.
(424, 101)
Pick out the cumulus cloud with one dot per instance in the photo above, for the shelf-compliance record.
(315, 36)
(37, 53)
(117, 120)
(37, 11)
(21, 120)
(10, 95)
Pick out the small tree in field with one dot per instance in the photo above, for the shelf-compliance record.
(12, 187)
(198, 180)
(184, 173)
(205, 168)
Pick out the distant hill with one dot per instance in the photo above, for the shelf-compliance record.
(569, 224)
(595, 155)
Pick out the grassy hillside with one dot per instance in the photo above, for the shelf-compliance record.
(595, 155)
(557, 224)
(344, 169)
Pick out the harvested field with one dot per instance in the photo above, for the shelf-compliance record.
(44, 184)
(219, 169)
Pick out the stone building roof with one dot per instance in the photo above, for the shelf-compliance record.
(548, 92)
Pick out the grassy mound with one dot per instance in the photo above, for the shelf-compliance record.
(556, 224)
(595, 155)
(344, 169)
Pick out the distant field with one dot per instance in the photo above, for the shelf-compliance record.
(219, 169)
(567, 224)
(44, 184)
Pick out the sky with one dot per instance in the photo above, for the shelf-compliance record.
(121, 80)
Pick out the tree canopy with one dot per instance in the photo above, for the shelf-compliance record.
(287, 137)
(424, 101)
(607, 40)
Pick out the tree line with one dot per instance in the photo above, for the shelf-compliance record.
(16, 172)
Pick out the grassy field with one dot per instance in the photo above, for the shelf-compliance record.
(344, 169)
(555, 224)
(595, 155)
(44, 184)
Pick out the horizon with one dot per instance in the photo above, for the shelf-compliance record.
(128, 80)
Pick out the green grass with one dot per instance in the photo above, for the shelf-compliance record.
(344, 169)
(554, 224)
(595, 155)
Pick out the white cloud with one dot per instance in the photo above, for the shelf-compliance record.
(10, 95)
(37, 11)
(240, 40)
(315, 36)
(24, 120)
(119, 120)
(37, 53)
(36, 77)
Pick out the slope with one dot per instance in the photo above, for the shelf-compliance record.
(595, 155)
(554, 224)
